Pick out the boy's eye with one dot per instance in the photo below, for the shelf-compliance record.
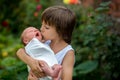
(47, 27)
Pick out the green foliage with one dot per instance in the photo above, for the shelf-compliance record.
(104, 7)
(9, 61)
(10, 69)
(86, 67)
(10, 66)
(23, 13)
(94, 41)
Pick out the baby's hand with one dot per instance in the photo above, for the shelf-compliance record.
(45, 67)
(57, 70)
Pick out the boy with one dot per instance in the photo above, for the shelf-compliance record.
(58, 23)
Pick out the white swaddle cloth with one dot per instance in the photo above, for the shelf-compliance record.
(40, 51)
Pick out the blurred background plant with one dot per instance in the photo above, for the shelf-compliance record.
(95, 39)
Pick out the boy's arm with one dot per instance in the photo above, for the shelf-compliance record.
(23, 56)
(67, 66)
(34, 64)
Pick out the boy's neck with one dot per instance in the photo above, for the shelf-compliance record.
(58, 45)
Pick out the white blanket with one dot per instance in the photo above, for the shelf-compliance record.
(40, 51)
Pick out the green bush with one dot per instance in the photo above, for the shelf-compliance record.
(10, 66)
(97, 47)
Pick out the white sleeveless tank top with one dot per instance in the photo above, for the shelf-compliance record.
(61, 54)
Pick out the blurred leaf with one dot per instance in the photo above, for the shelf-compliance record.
(102, 9)
(84, 50)
(8, 61)
(86, 67)
(105, 4)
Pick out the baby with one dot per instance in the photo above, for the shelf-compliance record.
(31, 38)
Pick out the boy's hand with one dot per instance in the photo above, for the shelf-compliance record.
(31, 76)
(36, 68)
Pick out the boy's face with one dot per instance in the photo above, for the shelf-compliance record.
(48, 32)
(31, 32)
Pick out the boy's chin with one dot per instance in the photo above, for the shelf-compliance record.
(43, 40)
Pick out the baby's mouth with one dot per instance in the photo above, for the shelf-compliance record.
(37, 34)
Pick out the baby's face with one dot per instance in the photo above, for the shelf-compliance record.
(33, 32)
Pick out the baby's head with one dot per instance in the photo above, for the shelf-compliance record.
(29, 33)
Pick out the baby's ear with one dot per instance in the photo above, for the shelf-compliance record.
(25, 41)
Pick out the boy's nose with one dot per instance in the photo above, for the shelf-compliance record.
(41, 29)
